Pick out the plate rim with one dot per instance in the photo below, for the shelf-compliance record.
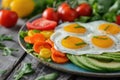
(87, 74)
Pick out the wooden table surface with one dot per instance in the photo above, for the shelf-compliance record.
(14, 62)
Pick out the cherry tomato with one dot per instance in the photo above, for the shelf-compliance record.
(50, 14)
(62, 6)
(84, 9)
(118, 19)
(41, 24)
(68, 14)
(8, 18)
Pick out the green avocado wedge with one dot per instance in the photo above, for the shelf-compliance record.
(106, 62)
(73, 59)
(82, 60)
(99, 57)
(104, 65)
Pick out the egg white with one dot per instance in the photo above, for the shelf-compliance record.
(61, 28)
(92, 30)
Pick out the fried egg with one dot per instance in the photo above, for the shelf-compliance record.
(86, 38)
(73, 28)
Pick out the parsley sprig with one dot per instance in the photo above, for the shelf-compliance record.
(6, 50)
(26, 69)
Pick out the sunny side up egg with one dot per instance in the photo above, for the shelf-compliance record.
(85, 38)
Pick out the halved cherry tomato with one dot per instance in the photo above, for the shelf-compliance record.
(84, 9)
(39, 45)
(118, 19)
(8, 18)
(50, 14)
(41, 24)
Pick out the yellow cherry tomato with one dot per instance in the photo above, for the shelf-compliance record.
(6, 3)
(32, 32)
(22, 7)
(47, 34)
(45, 53)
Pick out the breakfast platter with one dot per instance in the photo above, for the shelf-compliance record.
(99, 70)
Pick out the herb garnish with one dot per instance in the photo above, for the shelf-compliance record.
(66, 37)
(106, 28)
(51, 76)
(81, 43)
(26, 69)
(3, 71)
(3, 37)
(78, 26)
(6, 50)
(99, 37)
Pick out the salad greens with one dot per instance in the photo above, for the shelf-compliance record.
(102, 10)
(26, 69)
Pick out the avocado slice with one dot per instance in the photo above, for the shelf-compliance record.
(114, 55)
(82, 60)
(75, 61)
(100, 57)
(104, 65)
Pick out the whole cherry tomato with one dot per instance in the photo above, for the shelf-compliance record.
(62, 6)
(118, 19)
(66, 13)
(84, 9)
(50, 14)
(8, 18)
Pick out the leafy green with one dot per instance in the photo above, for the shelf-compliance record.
(3, 71)
(6, 50)
(115, 7)
(51, 76)
(3, 37)
(111, 16)
(23, 34)
(26, 69)
(83, 19)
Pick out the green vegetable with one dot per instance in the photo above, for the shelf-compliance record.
(110, 16)
(3, 71)
(23, 34)
(51, 76)
(104, 5)
(3, 37)
(115, 7)
(27, 69)
(6, 50)
(83, 19)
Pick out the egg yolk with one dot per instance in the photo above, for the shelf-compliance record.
(102, 41)
(75, 28)
(109, 28)
(73, 42)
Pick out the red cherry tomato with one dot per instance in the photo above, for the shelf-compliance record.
(84, 9)
(61, 7)
(68, 14)
(8, 18)
(50, 14)
(118, 19)
(41, 24)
